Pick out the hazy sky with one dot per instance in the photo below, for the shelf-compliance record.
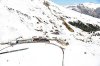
(63, 2)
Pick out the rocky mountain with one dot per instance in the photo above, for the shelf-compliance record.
(87, 8)
(25, 21)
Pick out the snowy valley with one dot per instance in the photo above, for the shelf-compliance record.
(42, 33)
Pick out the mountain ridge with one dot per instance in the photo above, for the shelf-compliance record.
(91, 9)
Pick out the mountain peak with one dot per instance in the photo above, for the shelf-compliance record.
(91, 5)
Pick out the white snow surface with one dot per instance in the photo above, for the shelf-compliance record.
(28, 18)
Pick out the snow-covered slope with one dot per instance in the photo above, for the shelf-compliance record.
(28, 18)
(91, 9)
